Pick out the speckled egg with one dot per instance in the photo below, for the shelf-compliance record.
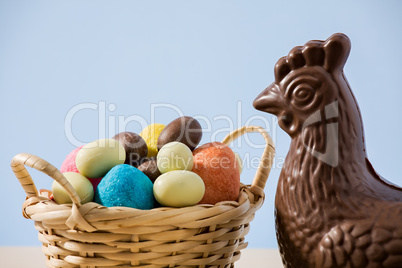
(68, 164)
(125, 185)
(216, 164)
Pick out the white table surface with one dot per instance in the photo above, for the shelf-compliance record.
(32, 257)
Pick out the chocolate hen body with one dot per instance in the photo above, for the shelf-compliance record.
(332, 209)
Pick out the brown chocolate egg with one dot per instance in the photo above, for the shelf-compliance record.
(135, 146)
(184, 129)
(150, 168)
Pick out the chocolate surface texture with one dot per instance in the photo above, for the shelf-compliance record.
(331, 208)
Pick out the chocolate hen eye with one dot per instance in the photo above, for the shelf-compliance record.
(303, 94)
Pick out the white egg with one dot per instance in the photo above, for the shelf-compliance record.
(179, 188)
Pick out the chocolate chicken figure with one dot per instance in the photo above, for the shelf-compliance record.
(332, 208)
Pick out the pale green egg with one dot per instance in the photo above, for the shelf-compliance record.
(81, 185)
(95, 159)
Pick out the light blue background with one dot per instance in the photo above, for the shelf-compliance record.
(209, 58)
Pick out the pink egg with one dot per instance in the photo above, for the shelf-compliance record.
(68, 164)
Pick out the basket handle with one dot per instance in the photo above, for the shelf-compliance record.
(264, 168)
(18, 166)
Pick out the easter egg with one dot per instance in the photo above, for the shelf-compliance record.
(69, 165)
(125, 185)
(149, 167)
(151, 134)
(184, 129)
(216, 164)
(135, 147)
(95, 159)
(81, 185)
(179, 188)
(174, 156)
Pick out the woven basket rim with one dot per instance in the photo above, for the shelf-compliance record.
(89, 217)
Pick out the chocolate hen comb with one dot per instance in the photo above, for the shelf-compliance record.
(331, 55)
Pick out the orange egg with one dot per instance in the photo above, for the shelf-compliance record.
(216, 164)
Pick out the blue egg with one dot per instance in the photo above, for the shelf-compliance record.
(125, 185)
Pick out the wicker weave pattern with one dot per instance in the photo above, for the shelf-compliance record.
(90, 235)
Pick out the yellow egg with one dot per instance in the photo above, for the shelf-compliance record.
(81, 185)
(151, 134)
(95, 159)
(179, 188)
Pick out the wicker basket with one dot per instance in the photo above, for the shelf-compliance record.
(90, 235)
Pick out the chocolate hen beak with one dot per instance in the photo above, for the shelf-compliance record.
(270, 100)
